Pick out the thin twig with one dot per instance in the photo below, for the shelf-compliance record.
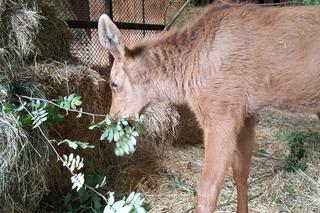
(71, 110)
(54, 149)
(61, 159)
(184, 6)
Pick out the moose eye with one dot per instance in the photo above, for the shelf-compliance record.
(115, 84)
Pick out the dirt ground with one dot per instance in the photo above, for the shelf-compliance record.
(167, 176)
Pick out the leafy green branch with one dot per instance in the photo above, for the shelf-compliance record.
(114, 130)
(33, 112)
(121, 133)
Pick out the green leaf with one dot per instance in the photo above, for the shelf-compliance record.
(133, 140)
(105, 134)
(118, 205)
(89, 164)
(76, 144)
(111, 198)
(26, 120)
(67, 105)
(130, 197)
(103, 171)
(116, 136)
(39, 117)
(108, 121)
(94, 126)
(119, 126)
(8, 107)
(97, 202)
(83, 195)
(140, 209)
(110, 136)
(70, 97)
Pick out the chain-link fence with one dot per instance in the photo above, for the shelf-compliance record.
(137, 19)
(146, 13)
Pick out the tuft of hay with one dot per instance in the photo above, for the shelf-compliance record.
(23, 161)
(19, 24)
(161, 122)
(54, 38)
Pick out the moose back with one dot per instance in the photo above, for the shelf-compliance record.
(227, 65)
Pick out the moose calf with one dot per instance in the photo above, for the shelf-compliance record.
(227, 65)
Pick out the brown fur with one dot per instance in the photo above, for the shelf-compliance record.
(227, 65)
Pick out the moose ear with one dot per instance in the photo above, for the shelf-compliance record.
(110, 37)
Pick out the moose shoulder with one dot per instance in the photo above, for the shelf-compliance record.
(227, 65)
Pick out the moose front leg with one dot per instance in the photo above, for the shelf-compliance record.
(241, 162)
(220, 144)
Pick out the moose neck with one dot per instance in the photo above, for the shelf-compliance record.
(169, 61)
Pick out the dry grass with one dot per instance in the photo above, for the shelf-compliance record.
(168, 180)
(161, 122)
(23, 161)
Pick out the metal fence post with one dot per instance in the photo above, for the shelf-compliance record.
(203, 2)
(108, 11)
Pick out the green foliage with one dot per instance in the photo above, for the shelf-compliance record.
(304, 2)
(132, 204)
(120, 132)
(71, 101)
(311, 2)
(297, 142)
(84, 200)
(33, 112)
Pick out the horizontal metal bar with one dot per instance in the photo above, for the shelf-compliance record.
(120, 25)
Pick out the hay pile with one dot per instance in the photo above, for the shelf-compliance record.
(22, 158)
(168, 181)
(23, 155)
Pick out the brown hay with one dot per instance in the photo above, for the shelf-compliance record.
(270, 186)
(60, 80)
(23, 161)
(161, 122)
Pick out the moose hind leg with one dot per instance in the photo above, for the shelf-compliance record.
(241, 162)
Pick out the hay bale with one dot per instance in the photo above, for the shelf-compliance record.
(54, 38)
(23, 161)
